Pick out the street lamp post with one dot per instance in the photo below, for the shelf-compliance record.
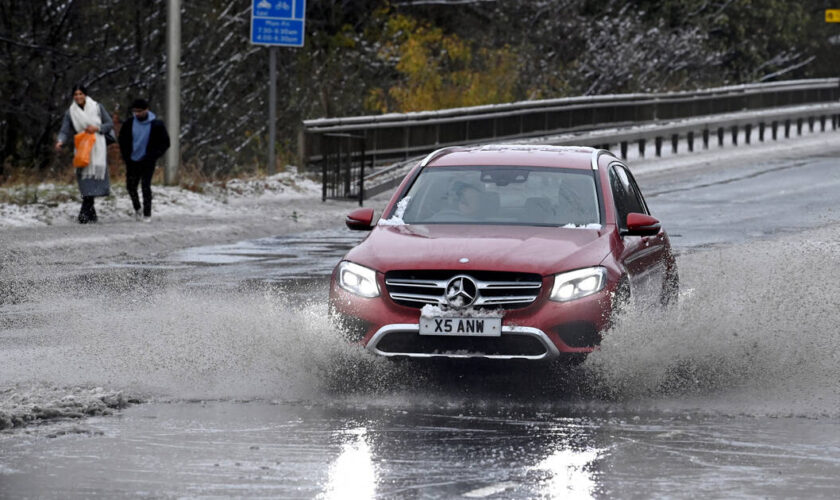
(173, 90)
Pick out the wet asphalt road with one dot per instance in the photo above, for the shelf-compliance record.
(395, 450)
(247, 395)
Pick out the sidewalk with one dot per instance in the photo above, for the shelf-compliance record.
(46, 234)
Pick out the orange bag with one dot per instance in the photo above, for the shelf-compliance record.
(84, 145)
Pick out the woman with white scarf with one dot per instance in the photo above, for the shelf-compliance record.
(87, 115)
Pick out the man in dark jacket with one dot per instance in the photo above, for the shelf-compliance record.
(143, 139)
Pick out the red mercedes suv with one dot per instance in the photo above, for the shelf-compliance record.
(502, 252)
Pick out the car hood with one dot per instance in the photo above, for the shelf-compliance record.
(530, 249)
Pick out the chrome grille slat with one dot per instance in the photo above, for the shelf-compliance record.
(415, 297)
(505, 300)
(418, 283)
(506, 284)
(416, 288)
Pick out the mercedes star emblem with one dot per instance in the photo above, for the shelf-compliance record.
(461, 291)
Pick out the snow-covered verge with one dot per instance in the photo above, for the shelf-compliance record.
(43, 237)
(51, 204)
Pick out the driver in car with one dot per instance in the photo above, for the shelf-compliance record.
(469, 200)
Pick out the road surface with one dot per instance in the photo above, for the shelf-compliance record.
(210, 371)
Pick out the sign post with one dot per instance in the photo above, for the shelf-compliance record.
(832, 15)
(272, 107)
(276, 23)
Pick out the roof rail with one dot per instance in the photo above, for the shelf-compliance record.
(597, 153)
(438, 153)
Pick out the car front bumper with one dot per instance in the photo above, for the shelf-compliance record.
(543, 330)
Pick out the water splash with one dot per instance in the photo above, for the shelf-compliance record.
(756, 332)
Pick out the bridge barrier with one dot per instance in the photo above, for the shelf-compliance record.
(343, 148)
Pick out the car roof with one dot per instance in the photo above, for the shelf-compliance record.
(576, 157)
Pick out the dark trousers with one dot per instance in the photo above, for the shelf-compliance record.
(135, 173)
(88, 211)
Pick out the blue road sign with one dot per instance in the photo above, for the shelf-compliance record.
(278, 22)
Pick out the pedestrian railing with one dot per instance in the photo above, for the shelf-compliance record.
(343, 167)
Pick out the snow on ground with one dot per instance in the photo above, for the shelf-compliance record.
(34, 404)
(49, 204)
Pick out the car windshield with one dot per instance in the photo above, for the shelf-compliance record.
(536, 196)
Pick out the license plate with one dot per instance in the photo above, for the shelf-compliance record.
(467, 327)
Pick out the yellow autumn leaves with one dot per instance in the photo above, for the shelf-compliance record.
(438, 70)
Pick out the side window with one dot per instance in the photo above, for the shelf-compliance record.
(638, 193)
(625, 194)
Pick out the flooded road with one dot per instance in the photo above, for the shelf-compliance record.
(243, 390)
(395, 449)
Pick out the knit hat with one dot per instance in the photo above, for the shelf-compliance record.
(140, 104)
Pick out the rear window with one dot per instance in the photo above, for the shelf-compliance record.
(502, 195)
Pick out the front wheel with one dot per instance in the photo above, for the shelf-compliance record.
(670, 289)
(620, 300)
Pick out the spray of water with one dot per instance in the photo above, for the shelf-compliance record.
(756, 331)
(177, 343)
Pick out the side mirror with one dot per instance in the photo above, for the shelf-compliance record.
(360, 220)
(642, 225)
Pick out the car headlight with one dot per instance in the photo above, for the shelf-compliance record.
(357, 279)
(576, 284)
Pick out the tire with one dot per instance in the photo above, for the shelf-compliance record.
(670, 289)
(577, 359)
(620, 301)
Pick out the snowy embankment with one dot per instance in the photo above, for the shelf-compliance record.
(50, 204)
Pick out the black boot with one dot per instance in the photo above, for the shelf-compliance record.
(87, 215)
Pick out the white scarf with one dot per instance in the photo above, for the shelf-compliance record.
(81, 119)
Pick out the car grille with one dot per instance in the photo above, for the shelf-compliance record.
(495, 289)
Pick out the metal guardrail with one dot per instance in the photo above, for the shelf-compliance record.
(827, 116)
(764, 125)
(396, 136)
(578, 120)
